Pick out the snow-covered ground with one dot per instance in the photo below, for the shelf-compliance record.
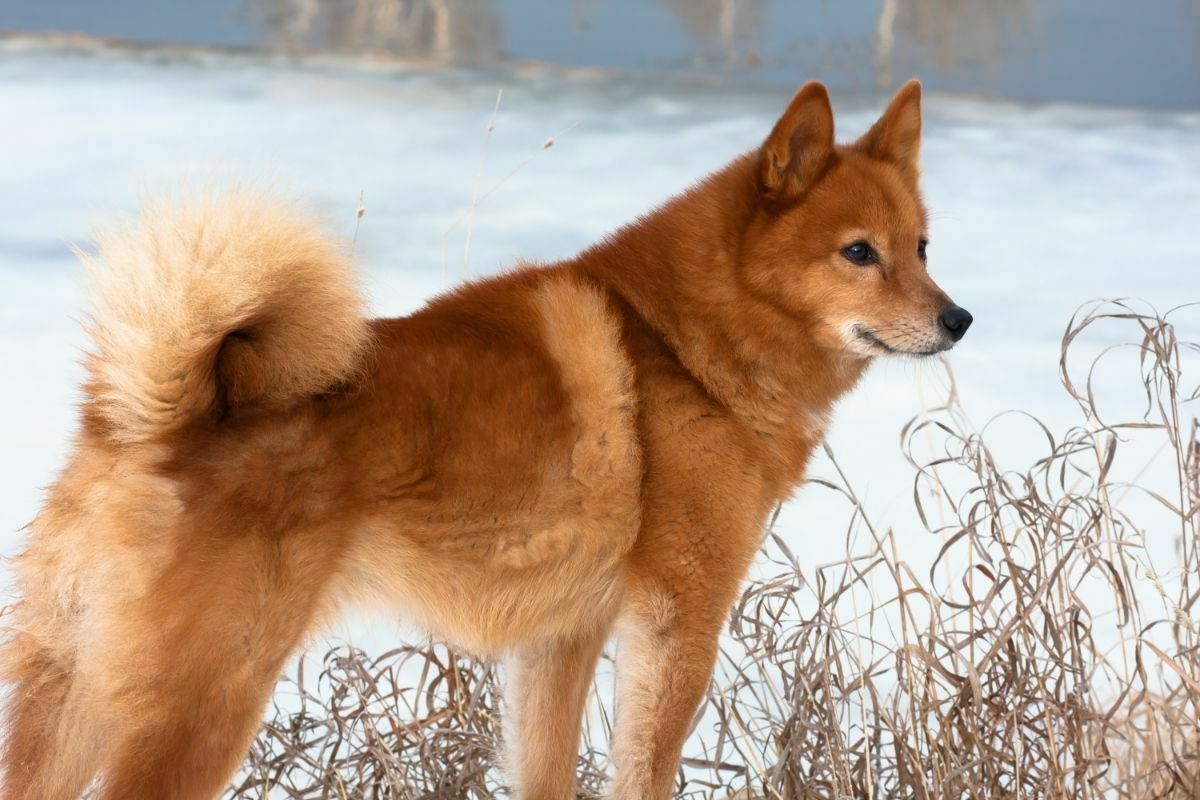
(1035, 211)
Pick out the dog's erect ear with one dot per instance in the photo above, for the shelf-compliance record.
(896, 137)
(800, 147)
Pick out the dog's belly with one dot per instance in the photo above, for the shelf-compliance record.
(489, 589)
(494, 564)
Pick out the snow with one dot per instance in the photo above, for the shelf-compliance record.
(1035, 211)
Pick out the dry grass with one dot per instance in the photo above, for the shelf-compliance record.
(1044, 655)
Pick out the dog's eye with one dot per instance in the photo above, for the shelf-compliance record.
(859, 253)
(921, 245)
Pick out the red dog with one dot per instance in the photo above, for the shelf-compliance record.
(526, 465)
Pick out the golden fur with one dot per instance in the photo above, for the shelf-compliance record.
(181, 296)
(524, 466)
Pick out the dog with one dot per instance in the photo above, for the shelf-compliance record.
(527, 465)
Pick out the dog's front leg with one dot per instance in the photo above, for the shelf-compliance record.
(685, 579)
(547, 685)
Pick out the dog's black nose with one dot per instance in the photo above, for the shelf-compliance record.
(955, 321)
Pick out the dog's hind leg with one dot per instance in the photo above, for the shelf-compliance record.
(201, 657)
(50, 744)
(51, 737)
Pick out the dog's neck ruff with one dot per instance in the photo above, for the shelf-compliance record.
(677, 269)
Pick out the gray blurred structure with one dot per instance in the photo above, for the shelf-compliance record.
(1111, 52)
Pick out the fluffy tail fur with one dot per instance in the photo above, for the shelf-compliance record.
(212, 304)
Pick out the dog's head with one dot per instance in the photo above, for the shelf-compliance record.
(840, 238)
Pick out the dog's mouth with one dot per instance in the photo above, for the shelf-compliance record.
(909, 343)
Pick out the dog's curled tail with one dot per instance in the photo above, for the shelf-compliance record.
(206, 305)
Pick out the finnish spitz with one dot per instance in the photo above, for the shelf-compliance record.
(527, 465)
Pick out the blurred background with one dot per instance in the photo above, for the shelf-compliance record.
(1098, 51)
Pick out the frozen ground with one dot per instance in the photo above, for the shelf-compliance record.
(1035, 210)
